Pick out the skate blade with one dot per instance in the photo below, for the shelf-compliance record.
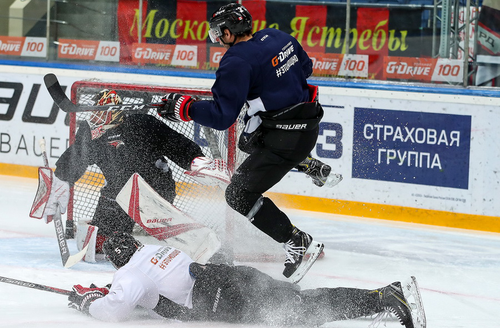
(311, 255)
(333, 180)
(412, 295)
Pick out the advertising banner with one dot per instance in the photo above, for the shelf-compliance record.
(22, 46)
(339, 65)
(488, 54)
(423, 69)
(320, 28)
(165, 54)
(411, 147)
(89, 50)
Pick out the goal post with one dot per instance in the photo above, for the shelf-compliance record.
(206, 204)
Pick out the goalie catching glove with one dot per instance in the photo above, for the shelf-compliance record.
(175, 107)
(59, 194)
(81, 297)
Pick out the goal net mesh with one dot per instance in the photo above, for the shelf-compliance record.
(206, 204)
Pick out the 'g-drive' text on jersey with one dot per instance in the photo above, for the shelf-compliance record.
(269, 71)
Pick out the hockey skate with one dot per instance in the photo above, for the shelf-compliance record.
(404, 302)
(301, 253)
(412, 295)
(319, 172)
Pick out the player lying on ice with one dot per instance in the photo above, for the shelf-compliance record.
(165, 280)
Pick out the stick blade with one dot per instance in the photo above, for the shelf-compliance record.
(74, 259)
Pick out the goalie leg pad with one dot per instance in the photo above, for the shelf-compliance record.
(86, 234)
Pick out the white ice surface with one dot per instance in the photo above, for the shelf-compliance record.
(458, 271)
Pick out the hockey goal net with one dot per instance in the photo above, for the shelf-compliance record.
(204, 203)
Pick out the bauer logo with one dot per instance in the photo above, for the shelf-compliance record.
(164, 220)
(412, 147)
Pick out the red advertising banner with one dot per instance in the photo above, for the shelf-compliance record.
(194, 27)
(339, 65)
(77, 49)
(372, 37)
(160, 54)
(423, 69)
(164, 54)
(216, 54)
(89, 50)
(22, 46)
(320, 28)
(11, 45)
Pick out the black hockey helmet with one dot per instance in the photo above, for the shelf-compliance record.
(120, 247)
(234, 17)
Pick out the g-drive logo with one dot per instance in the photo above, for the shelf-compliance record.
(412, 147)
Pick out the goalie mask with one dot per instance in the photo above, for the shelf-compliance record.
(234, 17)
(107, 117)
(120, 247)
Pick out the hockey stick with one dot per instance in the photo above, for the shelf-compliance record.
(212, 142)
(35, 286)
(66, 105)
(67, 260)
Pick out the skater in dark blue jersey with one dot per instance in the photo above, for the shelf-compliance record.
(267, 72)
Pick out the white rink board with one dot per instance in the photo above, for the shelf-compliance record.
(473, 190)
(479, 198)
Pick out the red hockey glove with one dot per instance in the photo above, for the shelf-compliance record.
(176, 107)
(81, 297)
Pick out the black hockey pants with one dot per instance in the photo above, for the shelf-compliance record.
(274, 152)
(245, 295)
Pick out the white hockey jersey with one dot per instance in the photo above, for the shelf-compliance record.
(152, 270)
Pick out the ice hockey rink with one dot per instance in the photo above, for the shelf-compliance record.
(458, 271)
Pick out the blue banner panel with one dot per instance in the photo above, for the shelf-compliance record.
(411, 147)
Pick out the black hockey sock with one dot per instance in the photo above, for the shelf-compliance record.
(273, 222)
(332, 304)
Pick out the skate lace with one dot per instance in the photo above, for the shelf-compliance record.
(381, 317)
(292, 251)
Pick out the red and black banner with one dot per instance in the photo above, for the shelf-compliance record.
(377, 32)
(488, 53)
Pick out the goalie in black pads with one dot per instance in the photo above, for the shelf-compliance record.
(166, 281)
(268, 72)
(121, 144)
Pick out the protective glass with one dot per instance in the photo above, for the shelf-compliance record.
(215, 33)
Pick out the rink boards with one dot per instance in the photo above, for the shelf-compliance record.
(417, 154)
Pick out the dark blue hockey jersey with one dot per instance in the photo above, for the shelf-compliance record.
(268, 71)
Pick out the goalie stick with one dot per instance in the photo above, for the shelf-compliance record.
(66, 105)
(35, 286)
(67, 259)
